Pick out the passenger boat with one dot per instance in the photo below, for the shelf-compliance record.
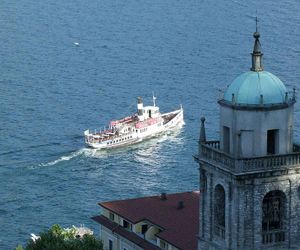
(146, 123)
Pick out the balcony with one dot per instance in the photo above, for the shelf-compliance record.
(273, 237)
(210, 152)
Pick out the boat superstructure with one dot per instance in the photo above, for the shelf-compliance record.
(146, 123)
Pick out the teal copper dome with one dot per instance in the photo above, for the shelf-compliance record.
(256, 87)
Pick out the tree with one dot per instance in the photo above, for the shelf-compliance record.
(57, 238)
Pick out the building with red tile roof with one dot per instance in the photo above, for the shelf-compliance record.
(168, 221)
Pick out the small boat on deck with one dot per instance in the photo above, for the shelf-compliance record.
(146, 123)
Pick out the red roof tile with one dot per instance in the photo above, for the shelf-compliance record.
(180, 225)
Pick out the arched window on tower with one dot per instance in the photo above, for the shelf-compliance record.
(219, 211)
(273, 217)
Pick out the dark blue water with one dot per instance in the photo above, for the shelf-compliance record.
(52, 90)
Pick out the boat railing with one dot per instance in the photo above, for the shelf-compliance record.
(105, 136)
(210, 151)
(172, 112)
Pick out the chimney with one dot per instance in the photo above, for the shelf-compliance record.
(163, 196)
(180, 205)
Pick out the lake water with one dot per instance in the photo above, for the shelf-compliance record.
(52, 90)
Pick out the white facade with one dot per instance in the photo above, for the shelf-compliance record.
(114, 241)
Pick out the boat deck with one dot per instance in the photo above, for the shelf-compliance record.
(168, 117)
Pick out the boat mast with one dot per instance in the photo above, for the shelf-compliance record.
(154, 98)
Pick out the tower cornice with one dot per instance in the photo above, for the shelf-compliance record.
(255, 107)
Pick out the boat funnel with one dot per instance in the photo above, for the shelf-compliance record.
(140, 107)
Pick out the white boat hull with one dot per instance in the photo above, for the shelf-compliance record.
(169, 121)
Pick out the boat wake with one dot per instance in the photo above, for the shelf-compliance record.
(60, 159)
(86, 152)
(148, 153)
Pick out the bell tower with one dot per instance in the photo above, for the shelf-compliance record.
(250, 176)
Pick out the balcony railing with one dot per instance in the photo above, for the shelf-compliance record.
(273, 237)
(210, 151)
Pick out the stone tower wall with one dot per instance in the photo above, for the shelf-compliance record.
(243, 212)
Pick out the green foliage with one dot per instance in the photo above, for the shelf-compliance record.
(19, 247)
(65, 234)
(57, 238)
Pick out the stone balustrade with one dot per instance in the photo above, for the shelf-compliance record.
(273, 237)
(210, 151)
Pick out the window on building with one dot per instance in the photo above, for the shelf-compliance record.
(226, 139)
(163, 244)
(273, 217)
(111, 216)
(127, 225)
(110, 245)
(144, 228)
(272, 141)
(219, 211)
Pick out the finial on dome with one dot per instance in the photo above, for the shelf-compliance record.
(256, 55)
(256, 34)
(256, 22)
